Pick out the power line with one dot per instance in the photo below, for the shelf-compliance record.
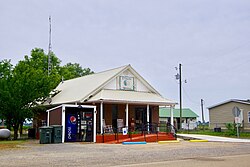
(189, 98)
(207, 60)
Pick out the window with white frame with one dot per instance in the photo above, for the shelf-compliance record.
(248, 116)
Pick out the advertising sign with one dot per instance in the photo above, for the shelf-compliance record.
(120, 123)
(124, 131)
(71, 127)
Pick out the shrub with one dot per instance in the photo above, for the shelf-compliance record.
(231, 129)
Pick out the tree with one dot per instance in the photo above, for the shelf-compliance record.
(28, 83)
(70, 71)
(5, 96)
(31, 83)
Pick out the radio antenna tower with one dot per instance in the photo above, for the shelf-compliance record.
(50, 48)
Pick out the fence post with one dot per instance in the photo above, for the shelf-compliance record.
(103, 137)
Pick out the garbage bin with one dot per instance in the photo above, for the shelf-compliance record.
(56, 134)
(45, 134)
(31, 133)
(217, 129)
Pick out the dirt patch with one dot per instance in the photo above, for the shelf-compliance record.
(11, 144)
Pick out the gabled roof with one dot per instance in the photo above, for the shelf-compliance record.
(231, 100)
(88, 88)
(186, 113)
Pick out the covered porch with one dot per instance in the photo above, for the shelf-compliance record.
(136, 112)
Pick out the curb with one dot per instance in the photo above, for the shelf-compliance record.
(131, 143)
(166, 142)
(198, 140)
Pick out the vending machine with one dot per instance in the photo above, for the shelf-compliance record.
(87, 126)
(71, 127)
(79, 126)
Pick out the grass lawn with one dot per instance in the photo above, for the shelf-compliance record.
(245, 135)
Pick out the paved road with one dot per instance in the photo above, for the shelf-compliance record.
(214, 138)
(173, 154)
(225, 161)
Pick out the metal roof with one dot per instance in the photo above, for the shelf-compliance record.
(186, 113)
(75, 90)
(232, 100)
(91, 87)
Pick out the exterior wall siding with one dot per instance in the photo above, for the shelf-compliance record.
(223, 114)
(155, 114)
(55, 117)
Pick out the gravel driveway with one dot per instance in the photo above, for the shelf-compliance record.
(79, 154)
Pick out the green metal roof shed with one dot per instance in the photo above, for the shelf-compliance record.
(186, 113)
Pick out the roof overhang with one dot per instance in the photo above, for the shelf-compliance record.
(229, 101)
(70, 105)
(131, 97)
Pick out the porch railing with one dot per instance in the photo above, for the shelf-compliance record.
(142, 130)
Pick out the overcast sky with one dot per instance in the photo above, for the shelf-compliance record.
(210, 38)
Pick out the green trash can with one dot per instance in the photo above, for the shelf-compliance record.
(56, 134)
(45, 134)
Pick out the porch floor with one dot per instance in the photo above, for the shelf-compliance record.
(119, 138)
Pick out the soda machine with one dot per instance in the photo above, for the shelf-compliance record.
(79, 126)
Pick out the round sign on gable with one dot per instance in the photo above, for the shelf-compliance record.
(236, 111)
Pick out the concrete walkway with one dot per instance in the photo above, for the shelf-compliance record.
(212, 138)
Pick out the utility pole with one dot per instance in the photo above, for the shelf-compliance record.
(180, 96)
(202, 114)
(178, 77)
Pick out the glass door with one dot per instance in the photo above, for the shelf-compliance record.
(114, 117)
(141, 117)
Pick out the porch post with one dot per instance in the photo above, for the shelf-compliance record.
(127, 115)
(63, 124)
(172, 115)
(48, 118)
(101, 116)
(148, 116)
(94, 135)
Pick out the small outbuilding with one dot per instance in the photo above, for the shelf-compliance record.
(189, 117)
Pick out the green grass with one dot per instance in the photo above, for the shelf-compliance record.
(222, 134)
(12, 141)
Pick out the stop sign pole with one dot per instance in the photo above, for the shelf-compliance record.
(236, 113)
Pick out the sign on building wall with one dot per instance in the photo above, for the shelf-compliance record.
(71, 127)
(126, 83)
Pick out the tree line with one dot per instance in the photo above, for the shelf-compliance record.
(25, 85)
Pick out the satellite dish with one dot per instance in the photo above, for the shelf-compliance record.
(236, 111)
